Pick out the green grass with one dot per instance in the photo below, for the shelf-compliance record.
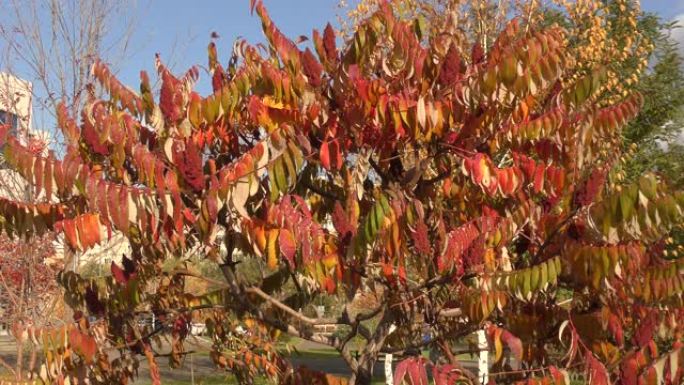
(312, 353)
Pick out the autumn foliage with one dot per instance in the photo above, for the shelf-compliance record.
(467, 188)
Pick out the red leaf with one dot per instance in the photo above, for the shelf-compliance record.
(629, 371)
(336, 154)
(615, 327)
(169, 96)
(341, 221)
(189, 163)
(417, 372)
(513, 343)
(119, 274)
(329, 43)
(539, 178)
(591, 188)
(329, 285)
(452, 66)
(558, 377)
(70, 233)
(83, 344)
(325, 155)
(598, 375)
(311, 67)
(458, 241)
(420, 238)
(477, 53)
(415, 368)
(446, 374)
(505, 178)
(646, 329)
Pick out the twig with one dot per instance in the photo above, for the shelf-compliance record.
(385, 178)
(323, 193)
(7, 366)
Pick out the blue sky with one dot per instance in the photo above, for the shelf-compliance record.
(668, 9)
(180, 30)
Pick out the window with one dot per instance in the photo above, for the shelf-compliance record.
(11, 119)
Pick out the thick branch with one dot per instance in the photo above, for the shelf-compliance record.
(298, 315)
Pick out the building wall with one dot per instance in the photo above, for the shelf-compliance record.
(16, 97)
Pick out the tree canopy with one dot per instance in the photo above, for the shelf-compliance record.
(465, 185)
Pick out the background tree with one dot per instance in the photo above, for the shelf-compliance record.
(28, 295)
(464, 188)
(53, 44)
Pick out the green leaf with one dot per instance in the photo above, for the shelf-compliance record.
(535, 278)
(605, 262)
(296, 155)
(628, 200)
(527, 284)
(552, 270)
(376, 218)
(274, 191)
(648, 187)
(384, 204)
(291, 170)
(280, 176)
(544, 275)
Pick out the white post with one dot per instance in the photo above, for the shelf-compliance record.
(389, 376)
(483, 361)
(192, 370)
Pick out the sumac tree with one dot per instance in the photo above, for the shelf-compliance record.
(466, 189)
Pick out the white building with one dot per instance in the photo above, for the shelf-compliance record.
(16, 97)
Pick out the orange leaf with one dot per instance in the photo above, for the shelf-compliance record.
(288, 246)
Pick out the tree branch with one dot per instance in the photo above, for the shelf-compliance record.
(298, 315)
(385, 178)
(458, 334)
(7, 366)
(323, 193)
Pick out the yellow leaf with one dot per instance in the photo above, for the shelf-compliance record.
(272, 251)
(498, 346)
(269, 102)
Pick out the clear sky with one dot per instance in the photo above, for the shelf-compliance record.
(180, 30)
(668, 9)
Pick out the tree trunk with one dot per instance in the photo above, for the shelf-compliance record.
(363, 376)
